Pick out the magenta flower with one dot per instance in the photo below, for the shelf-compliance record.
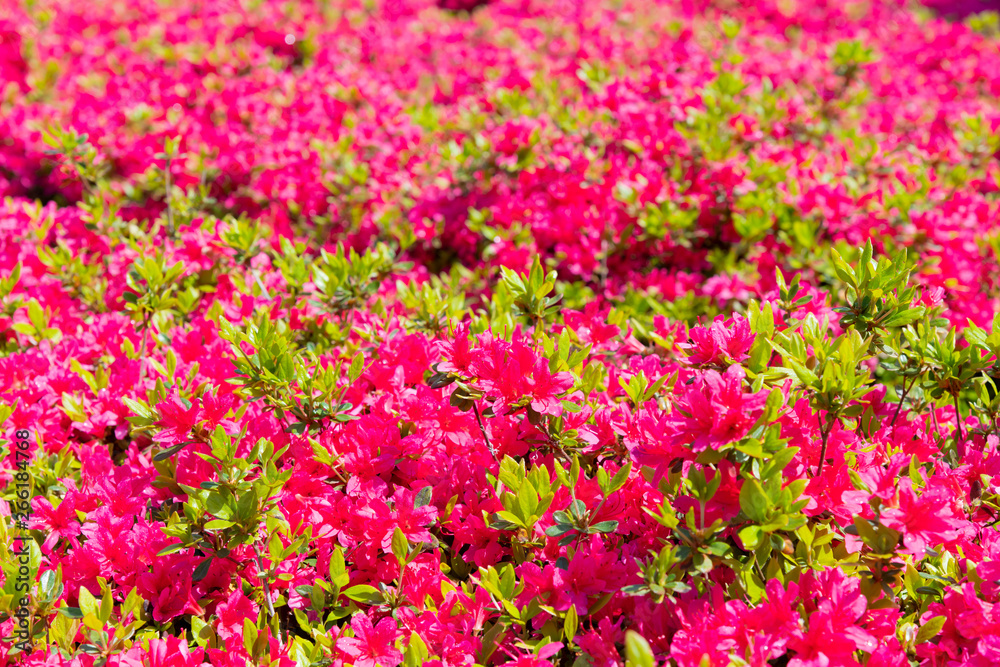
(723, 342)
(510, 371)
(232, 612)
(925, 520)
(716, 410)
(176, 421)
(372, 646)
(58, 522)
(168, 652)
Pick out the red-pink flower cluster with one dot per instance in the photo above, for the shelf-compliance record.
(295, 451)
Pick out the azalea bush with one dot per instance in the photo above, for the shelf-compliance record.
(590, 332)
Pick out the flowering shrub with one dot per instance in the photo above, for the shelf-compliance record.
(606, 332)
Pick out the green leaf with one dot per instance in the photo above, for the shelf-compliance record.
(804, 375)
(317, 597)
(338, 568)
(753, 500)
(903, 318)
(218, 504)
(571, 623)
(603, 527)
(423, 499)
(416, 651)
(88, 603)
(140, 409)
(201, 571)
(173, 548)
(364, 594)
(400, 546)
(620, 478)
(843, 269)
(637, 651)
(169, 451)
(865, 531)
(558, 530)
(36, 315)
(488, 646)
(249, 635)
(930, 629)
(357, 367)
(651, 391)
(760, 354)
(751, 536)
(107, 606)
(70, 612)
(48, 582)
(527, 500)
(246, 506)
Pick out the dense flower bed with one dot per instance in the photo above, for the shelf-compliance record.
(582, 332)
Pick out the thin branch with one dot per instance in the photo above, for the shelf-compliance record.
(142, 349)
(482, 429)
(825, 433)
(256, 276)
(263, 577)
(906, 390)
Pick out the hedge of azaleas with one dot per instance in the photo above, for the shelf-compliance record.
(582, 332)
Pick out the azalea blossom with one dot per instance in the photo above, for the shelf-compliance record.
(372, 645)
(483, 332)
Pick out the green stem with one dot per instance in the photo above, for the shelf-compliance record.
(170, 210)
(960, 443)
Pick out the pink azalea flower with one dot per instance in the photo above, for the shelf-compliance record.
(232, 612)
(716, 410)
(58, 522)
(168, 588)
(176, 421)
(168, 652)
(925, 520)
(723, 342)
(372, 646)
